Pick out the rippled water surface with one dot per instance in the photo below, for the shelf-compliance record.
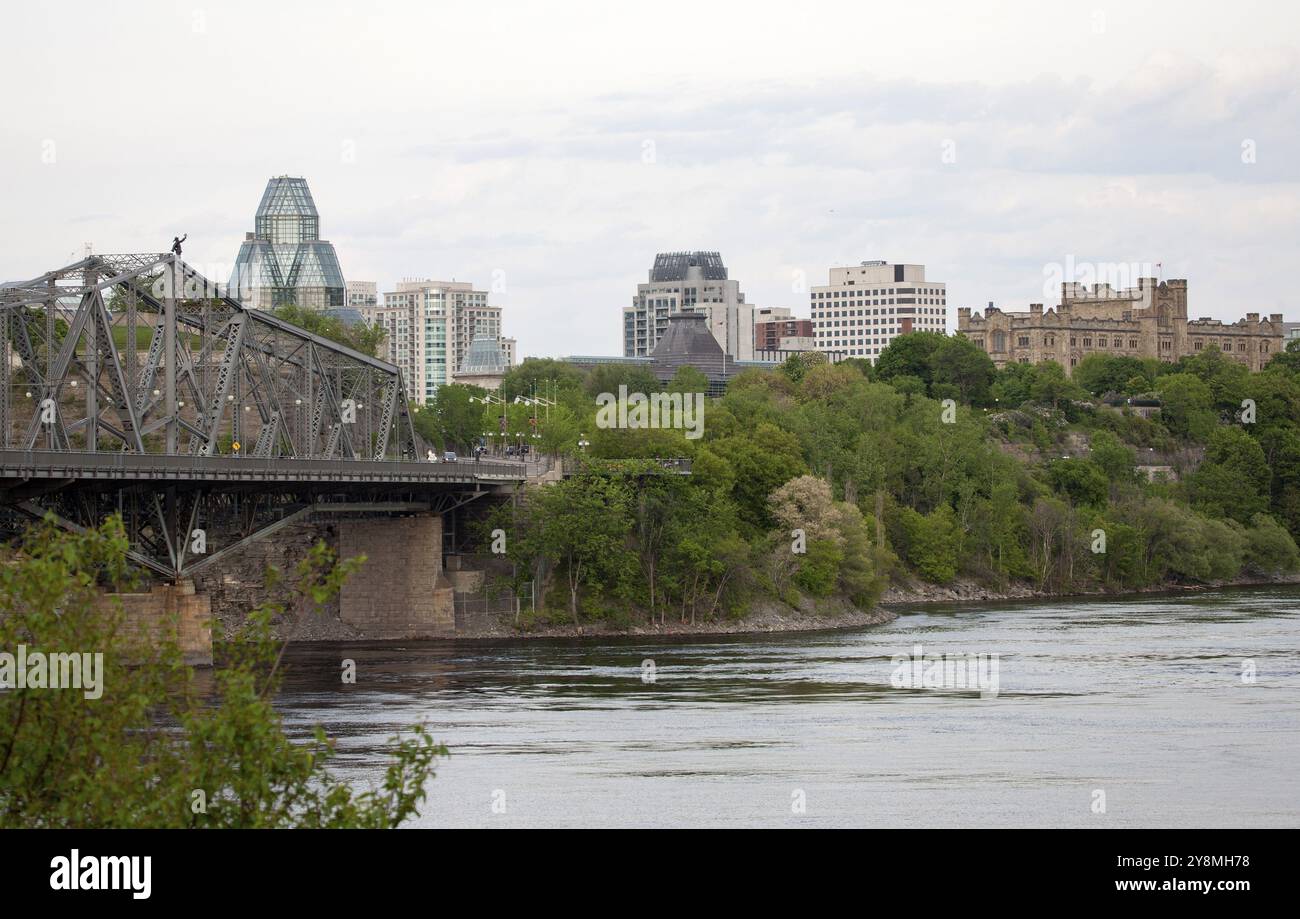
(1141, 698)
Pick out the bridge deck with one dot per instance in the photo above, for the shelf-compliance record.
(46, 464)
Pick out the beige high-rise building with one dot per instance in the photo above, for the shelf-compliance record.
(689, 282)
(866, 305)
(430, 326)
(1147, 321)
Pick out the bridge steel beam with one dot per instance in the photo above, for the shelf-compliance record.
(92, 423)
(209, 358)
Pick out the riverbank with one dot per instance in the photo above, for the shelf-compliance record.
(770, 616)
(767, 616)
(964, 590)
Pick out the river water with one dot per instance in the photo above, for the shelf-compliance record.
(1140, 711)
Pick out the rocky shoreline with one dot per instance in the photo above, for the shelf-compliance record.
(773, 616)
(769, 616)
(968, 591)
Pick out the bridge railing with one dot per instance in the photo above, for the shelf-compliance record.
(71, 464)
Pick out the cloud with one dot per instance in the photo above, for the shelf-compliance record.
(569, 173)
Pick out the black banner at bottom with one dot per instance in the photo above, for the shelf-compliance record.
(130, 869)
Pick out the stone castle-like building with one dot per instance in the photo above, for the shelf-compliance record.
(1149, 321)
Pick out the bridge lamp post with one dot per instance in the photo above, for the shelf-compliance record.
(583, 442)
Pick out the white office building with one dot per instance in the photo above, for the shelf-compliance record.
(864, 306)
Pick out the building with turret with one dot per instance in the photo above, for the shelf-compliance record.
(1148, 321)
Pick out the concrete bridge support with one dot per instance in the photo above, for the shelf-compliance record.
(402, 590)
(173, 610)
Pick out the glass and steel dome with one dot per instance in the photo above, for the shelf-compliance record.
(484, 357)
(284, 261)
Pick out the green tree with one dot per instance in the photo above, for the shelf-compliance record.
(909, 355)
(454, 418)
(1226, 378)
(688, 380)
(1234, 479)
(1100, 374)
(760, 463)
(359, 336)
(544, 376)
(930, 543)
(580, 524)
(1116, 460)
(136, 755)
(1051, 386)
(1269, 548)
(1012, 385)
(960, 363)
(819, 569)
(607, 378)
(1187, 406)
(1080, 480)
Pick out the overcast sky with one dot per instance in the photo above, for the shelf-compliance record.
(547, 151)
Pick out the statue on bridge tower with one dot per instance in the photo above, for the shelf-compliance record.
(176, 244)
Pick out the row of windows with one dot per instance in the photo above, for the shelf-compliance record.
(999, 340)
(1226, 346)
(834, 314)
(877, 292)
(1103, 341)
(829, 327)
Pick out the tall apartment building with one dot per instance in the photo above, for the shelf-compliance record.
(1147, 321)
(774, 325)
(689, 282)
(284, 261)
(430, 326)
(866, 305)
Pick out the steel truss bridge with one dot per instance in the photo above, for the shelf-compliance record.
(133, 385)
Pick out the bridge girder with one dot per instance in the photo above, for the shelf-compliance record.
(93, 422)
(75, 377)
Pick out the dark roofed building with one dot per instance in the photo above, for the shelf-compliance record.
(675, 266)
(687, 342)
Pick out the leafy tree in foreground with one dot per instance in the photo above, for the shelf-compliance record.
(151, 750)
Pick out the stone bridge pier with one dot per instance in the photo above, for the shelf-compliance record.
(172, 611)
(401, 591)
